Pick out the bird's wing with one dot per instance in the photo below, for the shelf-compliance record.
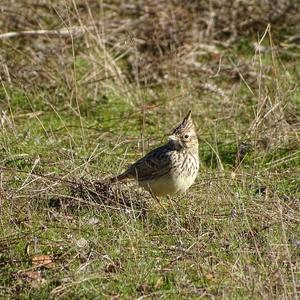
(155, 164)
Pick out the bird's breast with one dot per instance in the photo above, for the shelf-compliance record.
(181, 176)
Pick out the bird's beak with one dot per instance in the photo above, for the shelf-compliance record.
(172, 137)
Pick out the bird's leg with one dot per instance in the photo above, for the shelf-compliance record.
(172, 200)
(174, 205)
(157, 200)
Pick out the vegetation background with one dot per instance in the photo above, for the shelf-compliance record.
(87, 86)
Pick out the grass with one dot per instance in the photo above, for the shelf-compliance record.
(75, 111)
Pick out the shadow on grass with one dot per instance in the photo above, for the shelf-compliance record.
(102, 195)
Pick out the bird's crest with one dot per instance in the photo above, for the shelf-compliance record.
(186, 124)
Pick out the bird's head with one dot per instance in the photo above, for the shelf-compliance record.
(184, 135)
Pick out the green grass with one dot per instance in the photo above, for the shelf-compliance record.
(233, 235)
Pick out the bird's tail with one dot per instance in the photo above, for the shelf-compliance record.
(118, 178)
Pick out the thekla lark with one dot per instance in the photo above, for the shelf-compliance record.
(171, 168)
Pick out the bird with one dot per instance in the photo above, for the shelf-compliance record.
(171, 168)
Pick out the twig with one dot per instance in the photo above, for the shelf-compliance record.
(74, 31)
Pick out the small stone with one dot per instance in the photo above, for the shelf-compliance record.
(82, 243)
(296, 243)
(93, 221)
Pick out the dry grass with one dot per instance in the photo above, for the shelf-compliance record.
(89, 86)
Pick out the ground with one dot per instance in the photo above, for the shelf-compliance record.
(107, 83)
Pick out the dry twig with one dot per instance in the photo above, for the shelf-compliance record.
(73, 31)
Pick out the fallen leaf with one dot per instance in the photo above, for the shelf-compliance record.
(33, 277)
(112, 267)
(30, 275)
(43, 261)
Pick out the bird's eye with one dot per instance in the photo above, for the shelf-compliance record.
(186, 136)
